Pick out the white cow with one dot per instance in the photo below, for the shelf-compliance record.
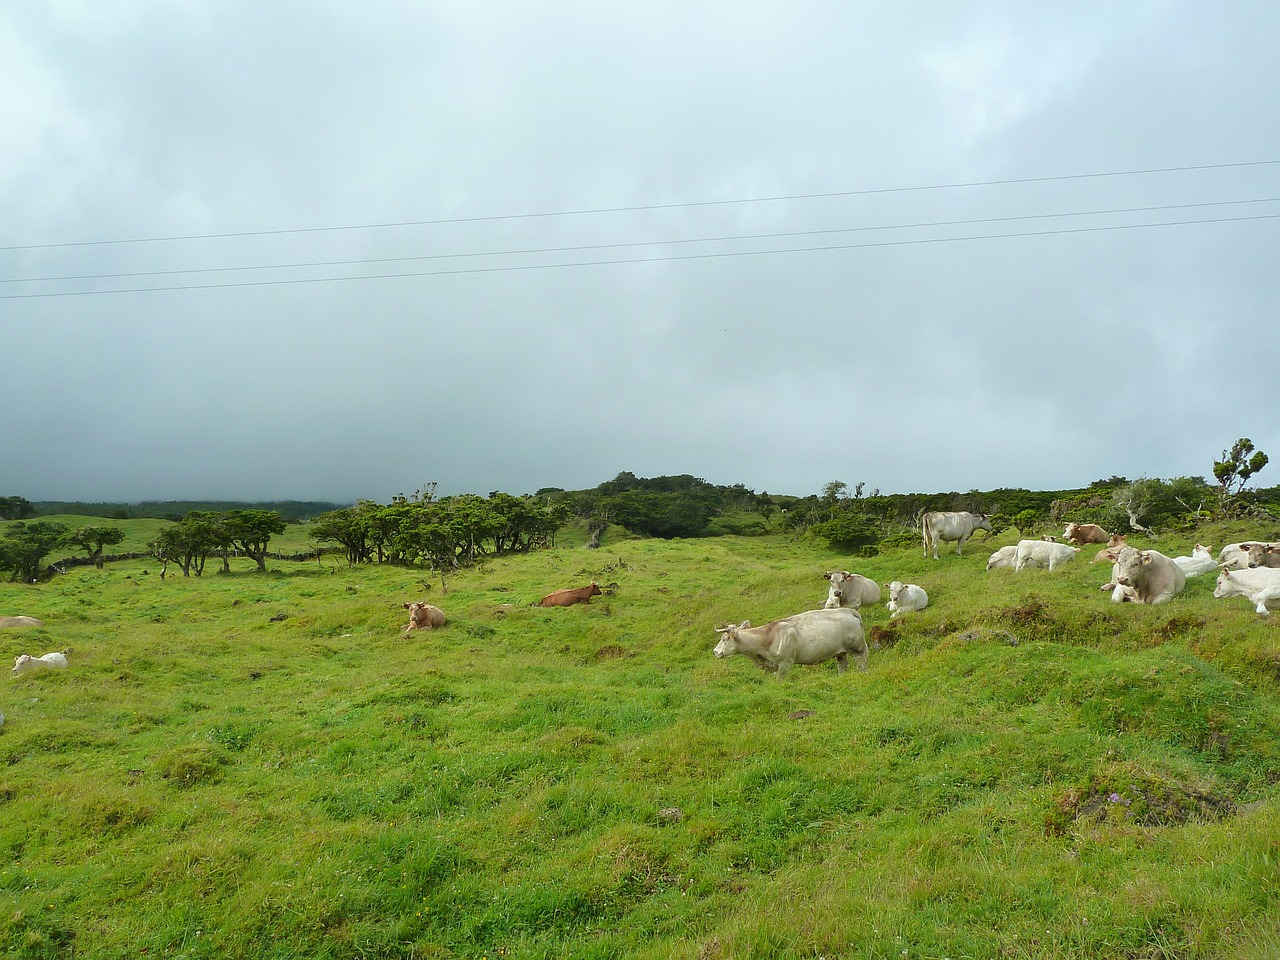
(1261, 585)
(850, 590)
(1200, 561)
(1235, 556)
(1148, 575)
(1042, 553)
(814, 636)
(50, 661)
(905, 598)
(1004, 557)
(937, 525)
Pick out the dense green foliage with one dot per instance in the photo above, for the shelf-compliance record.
(443, 534)
(292, 510)
(16, 508)
(24, 547)
(262, 764)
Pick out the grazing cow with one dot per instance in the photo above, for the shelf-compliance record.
(1004, 557)
(20, 622)
(1041, 553)
(50, 661)
(905, 598)
(423, 616)
(850, 590)
(1200, 561)
(1151, 576)
(1111, 550)
(811, 637)
(937, 525)
(570, 596)
(1260, 585)
(1082, 533)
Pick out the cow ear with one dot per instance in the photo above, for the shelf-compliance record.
(1146, 556)
(744, 624)
(826, 576)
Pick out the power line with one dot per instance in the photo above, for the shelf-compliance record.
(636, 243)
(635, 260)
(644, 207)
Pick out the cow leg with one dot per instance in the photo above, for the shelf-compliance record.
(862, 659)
(842, 662)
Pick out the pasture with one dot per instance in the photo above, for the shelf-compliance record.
(264, 764)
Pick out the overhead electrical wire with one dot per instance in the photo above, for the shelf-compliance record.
(652, 206)
(634, 260)
(633, 243)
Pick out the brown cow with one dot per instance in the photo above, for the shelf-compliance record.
(423, 616)
(1082, 533)
(570, 596)
(1111, 550)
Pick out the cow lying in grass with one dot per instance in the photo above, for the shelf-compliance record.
(814, 636)
(905, 598)
(423, 616)
(572, 595)
(1260, 585)
(850, 590)
(1147, 576)
(29, 664)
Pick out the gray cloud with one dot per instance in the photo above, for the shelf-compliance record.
(998, 342)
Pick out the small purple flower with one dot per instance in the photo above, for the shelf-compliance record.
(1114, 798)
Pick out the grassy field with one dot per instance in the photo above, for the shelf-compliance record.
(264, 765)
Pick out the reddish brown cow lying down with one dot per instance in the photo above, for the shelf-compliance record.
(566, 598)
(423, 616)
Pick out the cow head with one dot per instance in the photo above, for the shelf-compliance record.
(594, 589)
(835, 596)
(728, 644)
(1129, 566)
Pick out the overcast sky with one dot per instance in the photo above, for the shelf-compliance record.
(508, 245)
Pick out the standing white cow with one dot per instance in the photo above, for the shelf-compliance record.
(850, 590)
(1149, 575)
(938, 525)
(1260, 584)
(905, 598)
(814, 636)
(1042, 553)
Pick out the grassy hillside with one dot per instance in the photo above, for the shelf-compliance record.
(264, 765)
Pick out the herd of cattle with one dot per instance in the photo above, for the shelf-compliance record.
(1249, 569)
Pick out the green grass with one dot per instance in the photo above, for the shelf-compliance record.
(1026, 770)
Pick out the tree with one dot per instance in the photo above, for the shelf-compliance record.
(16, 508)
(848, 530)
(25, 545)
(251, 531)
(94, 539)
(1234, 470)
(346, 527)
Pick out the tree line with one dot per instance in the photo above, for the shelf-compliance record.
(449, 532)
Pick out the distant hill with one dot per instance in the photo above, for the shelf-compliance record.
(177, 509)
